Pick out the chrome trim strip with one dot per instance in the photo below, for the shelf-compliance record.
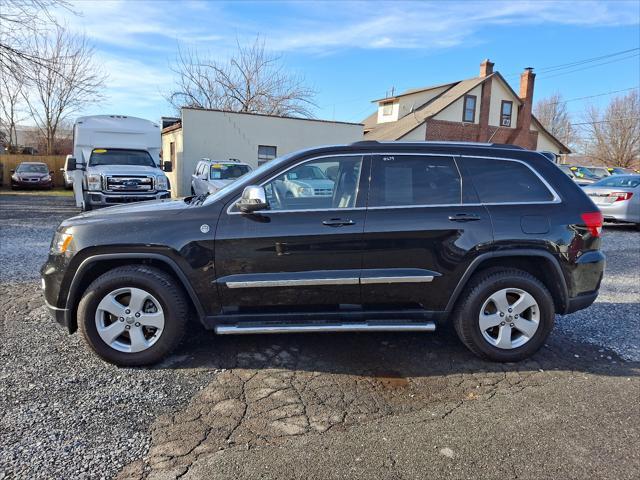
(299, 282)
(342, 327)
(408, 279)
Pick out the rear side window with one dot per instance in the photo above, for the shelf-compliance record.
(405, 180)
(504, 181)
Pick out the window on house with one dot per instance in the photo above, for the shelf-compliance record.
(469, 112)
(505, 113)
(387, 108)
(172, 151)
(266, 153)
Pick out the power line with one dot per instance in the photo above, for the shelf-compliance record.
(563, 66)
(606, 121)
(590, 66)
(595, 95)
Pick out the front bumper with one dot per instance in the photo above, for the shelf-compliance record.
(52, 274)
(27, 184)
(100, 199)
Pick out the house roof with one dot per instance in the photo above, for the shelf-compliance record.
(562, 147)
(407, 123)
(411, 91)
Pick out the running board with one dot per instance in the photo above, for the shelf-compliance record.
(340, 327)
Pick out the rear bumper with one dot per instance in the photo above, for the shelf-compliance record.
(623, 211)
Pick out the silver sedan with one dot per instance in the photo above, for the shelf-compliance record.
(617, 197)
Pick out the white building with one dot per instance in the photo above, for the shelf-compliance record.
(248, 137)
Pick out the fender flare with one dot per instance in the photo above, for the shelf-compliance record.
(72, 296)
(475, 264)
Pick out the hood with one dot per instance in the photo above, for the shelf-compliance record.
(31, 175)
(124, 170)
(214, 185)
(131, 210)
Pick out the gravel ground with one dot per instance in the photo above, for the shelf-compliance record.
(305, 406)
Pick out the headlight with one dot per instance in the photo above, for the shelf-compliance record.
(162, 183)
(60, 243)
(45, 179)
(305, 191)
(94, 182)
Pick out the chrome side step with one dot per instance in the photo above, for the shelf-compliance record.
(237, 329)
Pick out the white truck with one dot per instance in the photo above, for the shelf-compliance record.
(116, 159)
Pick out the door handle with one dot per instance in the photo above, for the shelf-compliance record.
(337, 222)
(464, 217)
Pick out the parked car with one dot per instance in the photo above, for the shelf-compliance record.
(617, 197)
(599, 172)
(66, 174)
(308, 181)
(213, 175)
(32, 175)
(493, 238)
(620, 171)
(578, 176)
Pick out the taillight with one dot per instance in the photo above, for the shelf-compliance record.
(621, 196)
(593, 222)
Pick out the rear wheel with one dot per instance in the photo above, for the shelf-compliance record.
(504, 315)
(133, 315)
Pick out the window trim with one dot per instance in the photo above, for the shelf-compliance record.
(302, 162)
(556, 198)
(464, 108)
(502, 114)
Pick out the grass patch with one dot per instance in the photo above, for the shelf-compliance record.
(56, 192)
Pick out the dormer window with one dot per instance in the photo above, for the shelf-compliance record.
(387, 108)
(505, 113)
(469, 111)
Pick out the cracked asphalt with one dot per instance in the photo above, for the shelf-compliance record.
(392, 406)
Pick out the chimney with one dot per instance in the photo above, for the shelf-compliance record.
(486, 68)
(527, 79)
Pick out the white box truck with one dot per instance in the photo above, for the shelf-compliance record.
(116, 159)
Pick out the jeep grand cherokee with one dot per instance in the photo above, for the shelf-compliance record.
(494, 238)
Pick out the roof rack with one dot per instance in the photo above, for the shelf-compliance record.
(439, 142)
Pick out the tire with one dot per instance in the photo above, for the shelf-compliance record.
(161, 288)
(477, 299)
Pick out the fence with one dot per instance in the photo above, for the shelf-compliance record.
(10, 162)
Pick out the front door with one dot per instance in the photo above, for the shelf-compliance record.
(305, 249)
(421, 231)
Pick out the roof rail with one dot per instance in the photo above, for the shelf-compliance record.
(440, 142)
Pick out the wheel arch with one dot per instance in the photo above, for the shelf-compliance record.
(539, 263)
(94, 266)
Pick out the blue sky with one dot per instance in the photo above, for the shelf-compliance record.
(353, 52)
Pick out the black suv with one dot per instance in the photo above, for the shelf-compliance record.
(362, 237)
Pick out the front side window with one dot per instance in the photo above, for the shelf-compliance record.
(505, 113)
(504, 181)
(469, 111)
(326, 183)
(104, 156)
(227, 171)
(266, 153)
(405, 180)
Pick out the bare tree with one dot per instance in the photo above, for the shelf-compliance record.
(68, 81)
(12, 109)
(252, 80)
(552, 113)
(20, 21)
(613, 137)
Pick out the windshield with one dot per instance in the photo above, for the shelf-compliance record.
(583, 172)
(249, 178)
(627, 181)
(103, 156)
(306, 173)
(619, 171)
(32, 168)
(227, 171)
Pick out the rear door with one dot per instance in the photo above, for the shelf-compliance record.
(306, 249)
(422, 229)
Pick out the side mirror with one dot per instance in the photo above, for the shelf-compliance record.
(71, 165)
(12, 171)
(167, 166)
(253, 198)
(51, 172)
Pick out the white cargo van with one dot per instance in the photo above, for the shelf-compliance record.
(116, 159)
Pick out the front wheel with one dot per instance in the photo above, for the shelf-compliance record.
(504, 315)
(133, 315)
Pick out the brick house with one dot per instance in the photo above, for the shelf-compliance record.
(479, 109)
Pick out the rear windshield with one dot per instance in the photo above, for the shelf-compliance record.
(110, 156)
(227, 171)
(628, 181)
(32, 168)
